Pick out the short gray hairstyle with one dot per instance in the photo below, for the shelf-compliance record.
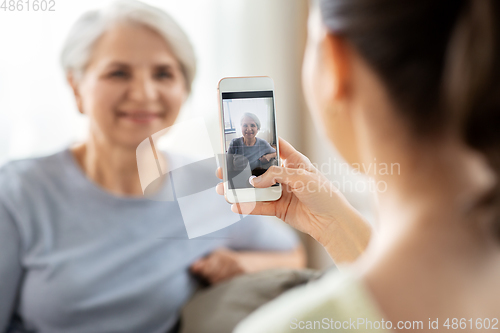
(78, 46)
(251, 116)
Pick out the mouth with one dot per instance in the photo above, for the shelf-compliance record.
(139, 116)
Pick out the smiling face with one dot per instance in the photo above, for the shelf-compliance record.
(248, 128)
(132, 87)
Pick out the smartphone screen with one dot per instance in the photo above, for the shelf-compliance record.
(249, 135)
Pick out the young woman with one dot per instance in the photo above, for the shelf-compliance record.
(414, 82)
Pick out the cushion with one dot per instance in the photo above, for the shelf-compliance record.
(218, 309)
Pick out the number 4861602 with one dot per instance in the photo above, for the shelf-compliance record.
(479, 323)
(28, 5)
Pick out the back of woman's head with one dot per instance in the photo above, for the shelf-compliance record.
(438, 59)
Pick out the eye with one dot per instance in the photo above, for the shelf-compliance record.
(119, 74)
(163, 74)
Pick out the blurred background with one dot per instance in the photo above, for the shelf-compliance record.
(231, 38)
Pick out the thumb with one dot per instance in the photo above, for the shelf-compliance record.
(294, 178)
(293, 157)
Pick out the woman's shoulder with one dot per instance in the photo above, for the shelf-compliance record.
(263, 142)
(27, 173)
(260, 140)
(28, 164)
(336, 301)
(237, 140)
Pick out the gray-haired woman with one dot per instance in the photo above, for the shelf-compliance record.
(258, 153)
(82, 250)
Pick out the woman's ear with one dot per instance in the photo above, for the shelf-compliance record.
(336, 59)
(74, 87)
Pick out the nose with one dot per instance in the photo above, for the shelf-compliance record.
(143, 88)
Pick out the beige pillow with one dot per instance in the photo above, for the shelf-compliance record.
(220, 308)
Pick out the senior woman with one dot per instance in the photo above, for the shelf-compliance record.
(82, 250)
(258, 153)
(413, 82)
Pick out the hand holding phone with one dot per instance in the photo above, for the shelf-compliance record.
(249, 137)
(310, 203)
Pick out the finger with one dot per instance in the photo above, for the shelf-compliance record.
(286, 149)
(288, 152)
(255, 208)
(218, 172)
(220, 188)
(221, 275)
(225, 275)
(197, 266)
(294, 178)
(203, 269)
(213, 267)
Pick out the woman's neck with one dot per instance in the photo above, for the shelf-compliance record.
(432, 203)
(249, 142)
(112, 167)
(434, 238)
(446, 182)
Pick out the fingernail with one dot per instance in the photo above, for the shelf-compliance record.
(256, 180)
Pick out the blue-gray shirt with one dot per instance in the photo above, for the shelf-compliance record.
(76, 259)
(252, 153)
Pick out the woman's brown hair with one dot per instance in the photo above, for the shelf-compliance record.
(439, 60)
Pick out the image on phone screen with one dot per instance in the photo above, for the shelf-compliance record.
(249, 135)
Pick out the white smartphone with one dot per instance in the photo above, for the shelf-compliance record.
(249, 137)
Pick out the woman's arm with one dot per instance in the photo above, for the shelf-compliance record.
(10, 267)
(223, 264)
(255, 261)
(231, 149)
(267, 157)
